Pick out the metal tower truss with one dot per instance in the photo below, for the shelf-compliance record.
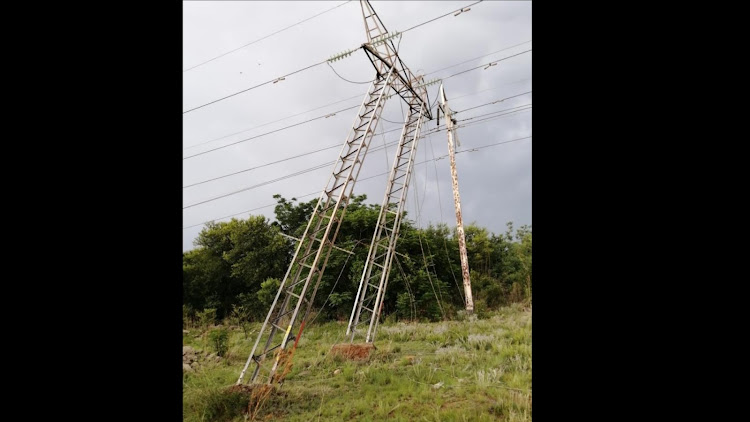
(311, 256)
(372, 285)
(283, 323)
(383, 54)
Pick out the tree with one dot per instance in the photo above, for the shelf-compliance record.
(242, 263)
(290, 218)
(233, 258)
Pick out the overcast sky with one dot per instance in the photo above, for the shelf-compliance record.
(495, 182)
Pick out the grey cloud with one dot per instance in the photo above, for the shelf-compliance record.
(495, 182)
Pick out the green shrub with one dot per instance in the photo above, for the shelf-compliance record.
(207, 318)
(267, 292)
(224, 405)
(480, 309)
(187, 317)
(517, 293)
(220, 340)
(240, 316)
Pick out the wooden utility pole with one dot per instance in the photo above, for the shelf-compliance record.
(457, 201)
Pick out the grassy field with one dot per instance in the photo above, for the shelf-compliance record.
(471, 370)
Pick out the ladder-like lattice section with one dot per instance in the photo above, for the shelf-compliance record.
(311, 256)
(283, 323)
(374, 281)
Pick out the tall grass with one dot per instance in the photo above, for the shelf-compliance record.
(478, 370)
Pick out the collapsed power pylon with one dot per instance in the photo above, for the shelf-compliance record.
(369, 299)
(286, 319)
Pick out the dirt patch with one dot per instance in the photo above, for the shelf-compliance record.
(353, 351)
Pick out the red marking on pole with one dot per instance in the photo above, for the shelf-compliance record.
(301, 327)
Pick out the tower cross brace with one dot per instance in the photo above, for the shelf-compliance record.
(285, 321)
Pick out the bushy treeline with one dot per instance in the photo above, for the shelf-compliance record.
(236, 266)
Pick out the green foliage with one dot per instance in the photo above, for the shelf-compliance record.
(404, 305)
(233, 258)
(239, 265)
(480, 309)
(267, 292)
(241, 317)
(291, 218)
(337, 299)
(187, 317)
(221, 405)
(206, 318)
(219, 339)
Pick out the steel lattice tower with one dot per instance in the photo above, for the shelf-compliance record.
(286, 319)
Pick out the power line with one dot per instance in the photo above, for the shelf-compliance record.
(361, 180)
(487, 119)
(276, 162)
(325, 61)
(470, 60)
(262, 165)
(318, 168)
(306, 68)
(327, 115)
(264, 134)
(391, 121)
(246, 211)
(345, 99)
(493, 145)
(268, 182)
(434, 130)
(505, 113)
(283, 160)
(485, 64)
(286, 127)
(277, 130)
(494, 112)
(366, 178)
(491, 89)
(280, 78)
(268, 123)
(441, 16)
(419, 236)
(263, 38)
(493, 102)
(347, 80)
